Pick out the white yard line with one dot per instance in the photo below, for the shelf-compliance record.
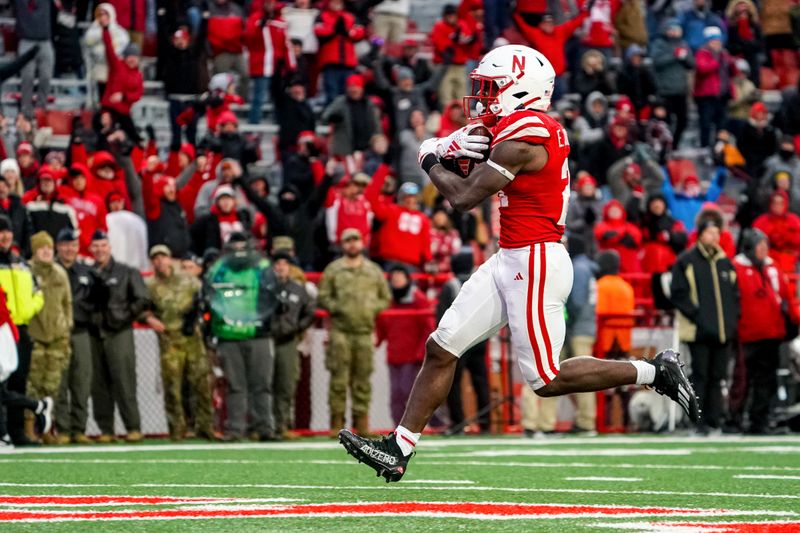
(520, 464)
(764, 476)
(402, 487)
(598, 478)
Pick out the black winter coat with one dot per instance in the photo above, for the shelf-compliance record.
(20, 224)
(295, 311)
(122, 297)
(86, 291)
(171, 228)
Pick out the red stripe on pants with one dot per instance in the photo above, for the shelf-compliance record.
(542, 323)
(537, 356)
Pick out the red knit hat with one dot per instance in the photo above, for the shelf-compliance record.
(188, 149)
(355, 80)
(586, 179)
(227, 117)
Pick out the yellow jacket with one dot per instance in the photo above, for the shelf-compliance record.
(25, 299)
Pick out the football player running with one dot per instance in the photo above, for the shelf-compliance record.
(526, 283)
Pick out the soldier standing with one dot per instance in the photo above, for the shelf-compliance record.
(294, 315)
(173, 317)
(72, 405)
(50, 328)
(353, 290)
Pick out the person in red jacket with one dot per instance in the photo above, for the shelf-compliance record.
(405, 234)
(337, 32)
(663, 237)
(712, 83)
(551, 40)
(599, 32)
(269, 53)
(107, 177)
(782, 228)
(124, 88)
(471, 12)
(616, 233)
(452, 40)
(764, 298)
(405, 328)
(226, 40)
(89, 207)
(348, 207)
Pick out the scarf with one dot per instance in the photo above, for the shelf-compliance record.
(744, 28)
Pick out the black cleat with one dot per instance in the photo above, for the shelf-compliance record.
(671, 382)
(44, 415)
(383, 455)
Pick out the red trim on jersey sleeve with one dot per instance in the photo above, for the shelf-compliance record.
(527, 128)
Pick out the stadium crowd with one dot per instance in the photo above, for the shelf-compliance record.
(683, 173)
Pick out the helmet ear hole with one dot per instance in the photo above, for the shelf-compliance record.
(520, 95)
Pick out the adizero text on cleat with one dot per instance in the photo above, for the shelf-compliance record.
(671, 382)
(382, 455)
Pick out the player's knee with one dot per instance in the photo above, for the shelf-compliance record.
(436, 355)
(546, 391)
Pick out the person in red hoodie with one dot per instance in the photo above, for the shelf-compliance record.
(89, 207)
(782, 228)
(663, 237)
(166, 219)
(764, 301)
(405, 234)
(178, 161)
(269, 53)
(337, 32)
(46, 208)
(405, 329)
(452, 40)
(471, 12)
(226, 40)
(712, 83)
(551, 40)
(616, 233)
(599, 33)
(124, 88)
(348, 207)
(107, 176)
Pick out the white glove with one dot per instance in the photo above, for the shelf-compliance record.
(460, 143)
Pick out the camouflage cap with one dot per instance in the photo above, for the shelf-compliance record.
(282, 243)
(351, 233)
(160, 249)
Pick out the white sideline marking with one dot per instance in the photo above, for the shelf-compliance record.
(597, 478)
(517, 464)
(470, 488)
(442, 481)
(575, 452)
(194, 504)
(689, 528)
(428, 443)
(765, 476)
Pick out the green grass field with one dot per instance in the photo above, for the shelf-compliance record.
(457, 484)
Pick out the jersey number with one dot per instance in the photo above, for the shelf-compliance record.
(562, 220)
(409, 223)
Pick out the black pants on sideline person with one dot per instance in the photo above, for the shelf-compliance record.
(762, 360)
(473, 360)
(18, 383)
(709, 367)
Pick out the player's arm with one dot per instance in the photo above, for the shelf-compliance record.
(506, 160)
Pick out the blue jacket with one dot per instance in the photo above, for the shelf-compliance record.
(685, 208)
(582, 299)
(693, 24)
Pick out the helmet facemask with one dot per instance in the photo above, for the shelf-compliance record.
(483, 103)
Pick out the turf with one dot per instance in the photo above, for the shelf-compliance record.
(683, 473)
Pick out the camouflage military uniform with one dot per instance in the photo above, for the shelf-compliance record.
(353, 296)
(172, 298)
(50, 330)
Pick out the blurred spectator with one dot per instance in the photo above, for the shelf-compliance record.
(50, 328)
(10, 172)
(445, 242)
(105, 16)
(599, 156)
(353, 290)
(410, 140)
(226, 40)
(354, 118)
(615, 302)
(228, 142)
(474, 359)
(72, 408)
(11, 206)
(744, 35)
(228, 170)
(269, 54)
(582, 324)
(585, 209)
(166, 220)
(451, 39)
(122, 301)
(694, 22)
(390, 20)
(785, 160)
(295, 116)
(127, 233)
(663, 237)
(34, 28)
(712, 83)
(704, 291)
(405, 336)
(711, 212)
(24, 300)
(90, 210)
(214, 229)
(48, 211)
(614, 232)
(294, 315)
(758, 139)
(595, 120)
(222, 89)
(241, 321)
(337, 32)
(183, 58)
(764, 301)
(131, 16)
(672, 64)
(744, 95)
(174, 315)
(592, 75)
(347, 207)
(28, 164)
(776, 24)
(67, 37)
(404, 96)
(629, 25)
(631, 183)
(687, 202)
(636, 80)
(404, 236)
(300, 18)
(598, 30)
(782, 228)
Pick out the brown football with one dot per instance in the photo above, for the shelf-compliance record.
(463, 166)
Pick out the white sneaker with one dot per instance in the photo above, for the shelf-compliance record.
(6, 446)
